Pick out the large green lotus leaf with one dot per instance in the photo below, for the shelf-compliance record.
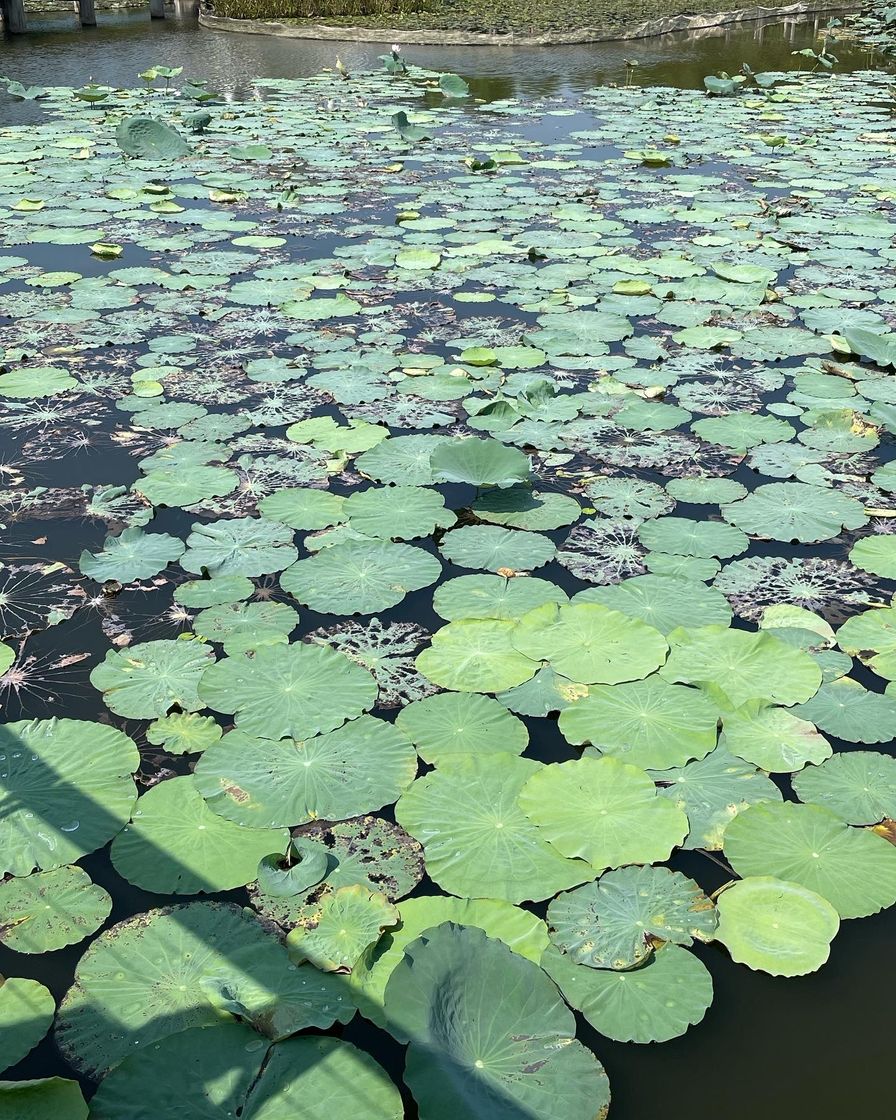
(247, 626)
(244, 546)
(216, 591)
(356, 769)
(475, 655)
(615, 922)
(184, 733)
(368, 851)
(653, 1003)
(132, 555)
(741, 665)
(854, 869)
(876, 554)
(51, 1098)
(453, 723)
(156, 974)
(844, 709)
(303, 508)
(494, 597)
(326, 433)
(603, 811)
(683, 537)
(495, 549)
(360, 576)
(490, 1038)
(871, 636)
(665, 602)
(175, 844)
(649, 723)
(298, 690)
(795, 511)
(589, 643)
(147, 680)
(397, 512)
(218, 1072)
(478, 841)
(36, 382)
(185, 486)
(479, 462)
(521, 508)
(773, 739)
(401, 460)
(776, 926)
(151, 139)
(859, 786)
(521, 931)
(712, 791)
(51, 909)
(26, 1012)
(65, 790)
(348, 922)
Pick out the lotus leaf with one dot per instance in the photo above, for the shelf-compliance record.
(51, 1098)
(183, 733)
(590, 643)
(615, 922)
(148, 138)
(648, 723)
(776, 926)
(683, 537)
(481, 1019)
(496, 549)
(263, 783)
(859, 786)
(360, 577)
(397, 512)
(479, 462)
(65, 790)
(36, 382)
(742, 666)
(475, 655)
(455, 723)
(147, 680)
(298, 690)
(132, 555)
(664, 602)
(876, 554)
(303, 508)
(495, 596)
(243, 546)
(185, 486)
(348, 922)
(51, 909)
(854, 869)
(213, 592)
(795, 511)
(653, 1003)
(176, 845)
(521, 508)
(26, 1013)
(479, 843)
(603, 811)
(844, 709)
(871, 637)
(154, 975)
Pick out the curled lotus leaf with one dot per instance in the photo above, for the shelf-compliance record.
(148, 138)
(654, 1003)
(298, 690)
(131, 555)
(66, 789)
(147, 680)
(456, 723)
(742, 666)
(302, 867)
(26, 1013)
(175, 844)
(603, 811)
(649, 723)
(176, 958)
(616, 921)
(51, 909)
(859, 786)
(478, 841)
(475, 655)
(795, 511)
(590, 643)
(360, 576)
(853, 868)
(347, 923)
(468, 1002)
(776, 926)
(263, 783)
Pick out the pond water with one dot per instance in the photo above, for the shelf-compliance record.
(59, 52)
(769, 1048)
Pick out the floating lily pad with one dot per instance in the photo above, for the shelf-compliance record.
(475, 655)
(871, 636)
(773, 739)
(147, 680)
(859, 786)
(132, 555)
(664, 602)
(494, 549)
(50, 1098)
(846, 710)
(795, 511)
(479, 462)
(184, 732)
(455, 723)
(504, 597)
(397, 512)
(348, 921)
(26, 1012)
(246, 546)
(51, 909)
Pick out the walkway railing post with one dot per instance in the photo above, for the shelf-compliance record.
(157, 9)
(14, 16)
(87, 13)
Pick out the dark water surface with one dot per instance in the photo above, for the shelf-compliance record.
(768, 1049)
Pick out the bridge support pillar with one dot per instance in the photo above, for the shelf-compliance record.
(14, 16)
(157, 9)
(87, 13)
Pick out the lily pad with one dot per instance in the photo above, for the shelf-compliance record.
(147, 680)
(859, 786)
(242, 546)
(455, 723)
(348, 922)
(51, 909)
(475, 655)
(132, 555)
(26, 1013)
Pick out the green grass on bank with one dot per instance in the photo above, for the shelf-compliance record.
(523, 17)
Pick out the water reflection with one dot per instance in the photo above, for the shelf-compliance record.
(58, 52)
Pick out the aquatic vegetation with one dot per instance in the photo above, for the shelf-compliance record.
(378, 585)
